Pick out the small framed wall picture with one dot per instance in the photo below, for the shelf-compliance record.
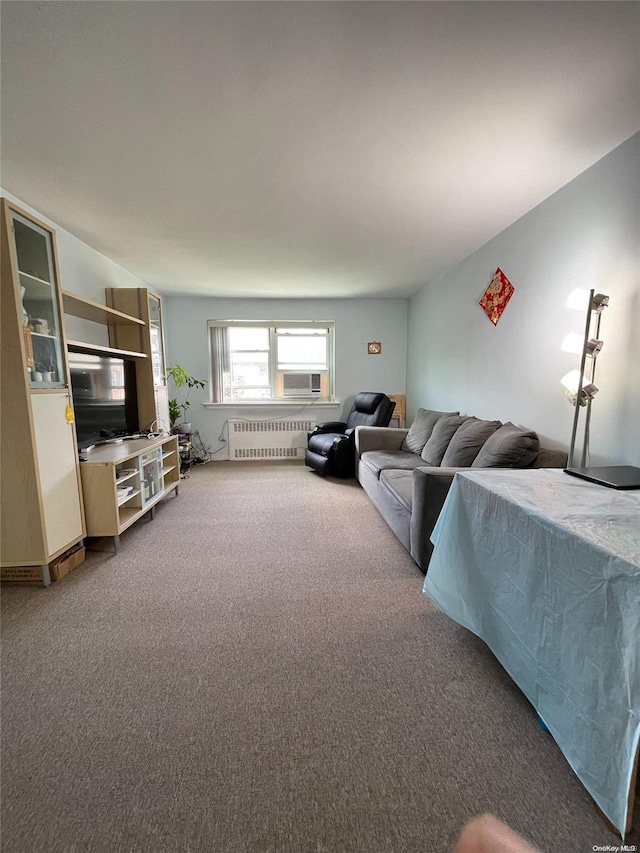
(374, 348)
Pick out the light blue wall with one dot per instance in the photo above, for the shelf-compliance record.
(586, 235)
(357, 321)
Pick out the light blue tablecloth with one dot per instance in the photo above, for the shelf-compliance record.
(545, 568)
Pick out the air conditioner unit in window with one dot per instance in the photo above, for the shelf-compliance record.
(301, 385)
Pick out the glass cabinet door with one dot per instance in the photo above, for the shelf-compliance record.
(151, 479)
(157, 345)
(38, 296)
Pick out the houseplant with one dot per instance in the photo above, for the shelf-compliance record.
(175, 413)
(178, 411)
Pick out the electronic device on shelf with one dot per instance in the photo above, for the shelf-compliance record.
(105, 405)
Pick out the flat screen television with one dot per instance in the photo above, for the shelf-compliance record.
(104, 397)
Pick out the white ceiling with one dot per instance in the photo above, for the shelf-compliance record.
(329, 149)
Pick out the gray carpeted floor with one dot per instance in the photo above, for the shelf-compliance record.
(258, 670)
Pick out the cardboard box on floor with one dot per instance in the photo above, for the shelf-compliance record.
(31, 574)
(67, 563)
(60, 567)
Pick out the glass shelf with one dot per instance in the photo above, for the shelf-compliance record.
(38, 284)
(42, 330)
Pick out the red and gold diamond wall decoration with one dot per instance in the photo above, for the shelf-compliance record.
(498, 293)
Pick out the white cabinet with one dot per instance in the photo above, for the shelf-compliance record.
(124, 480)
(41, 512)
(57, 455)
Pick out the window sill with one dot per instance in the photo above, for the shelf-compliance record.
(279, 404)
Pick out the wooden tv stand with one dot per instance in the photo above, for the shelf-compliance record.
(124, 480)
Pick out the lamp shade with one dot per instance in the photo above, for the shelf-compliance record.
(578, 299)
(571, 382)
(574, 342)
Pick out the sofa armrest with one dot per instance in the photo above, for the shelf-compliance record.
(430, 489)
(378, 438)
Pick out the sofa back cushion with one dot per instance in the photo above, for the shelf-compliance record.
(467, 442)
(444, 430)
(508, 447)
(421, 429)
(548, 458)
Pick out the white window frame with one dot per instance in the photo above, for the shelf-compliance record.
(272, 326)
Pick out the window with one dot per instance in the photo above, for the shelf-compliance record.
(254, 362)
(116, 392)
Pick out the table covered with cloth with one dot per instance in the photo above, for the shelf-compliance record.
(545, 568)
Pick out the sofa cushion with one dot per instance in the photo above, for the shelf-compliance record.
(400, 484)
(381, 460)
(467, 441)
(444, 430)
(508, 447)
(421, 429)
(548, 458)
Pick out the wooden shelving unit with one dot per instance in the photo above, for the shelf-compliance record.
(87, 309)
(124, 480)
(153, 394)
(41, 500)
(81, 346)
(149, 467)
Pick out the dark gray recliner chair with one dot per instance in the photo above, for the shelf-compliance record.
(331, 448)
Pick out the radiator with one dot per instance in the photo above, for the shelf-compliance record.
(284, 439)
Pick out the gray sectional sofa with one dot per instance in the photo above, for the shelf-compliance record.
(407, 473)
